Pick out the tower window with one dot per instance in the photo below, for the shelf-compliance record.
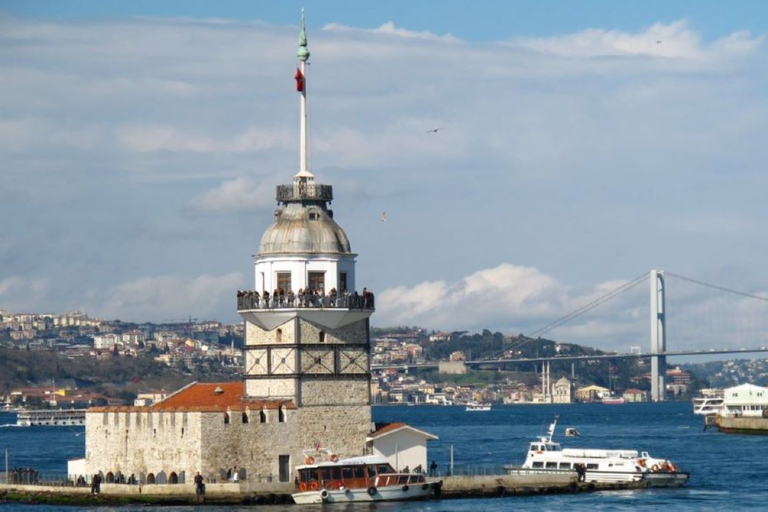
(262, 417)
(284, 281)
(317, 281)
(279, 336)
(321, 336)
(312, 215)
(245, 417)
(342, 282)
(281, 415)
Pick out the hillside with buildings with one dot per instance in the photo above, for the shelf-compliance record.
(91, 361)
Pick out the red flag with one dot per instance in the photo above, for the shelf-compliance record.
(299, 80)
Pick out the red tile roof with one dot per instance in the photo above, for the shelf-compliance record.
(206, 397)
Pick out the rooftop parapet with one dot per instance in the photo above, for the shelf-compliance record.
(303, 192)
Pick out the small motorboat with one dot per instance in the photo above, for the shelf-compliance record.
(572, 432)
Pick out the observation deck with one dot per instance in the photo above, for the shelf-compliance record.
(302, 191)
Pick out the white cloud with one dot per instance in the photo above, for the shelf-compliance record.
(676, 40)
(240, 194)
(389, 29)
(161, 298)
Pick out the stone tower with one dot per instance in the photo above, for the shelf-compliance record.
(306, 328)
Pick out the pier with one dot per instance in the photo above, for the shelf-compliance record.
(519, 483)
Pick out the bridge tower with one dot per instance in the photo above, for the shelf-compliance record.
(658, 336)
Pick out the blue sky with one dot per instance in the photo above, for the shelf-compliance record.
(582, 144)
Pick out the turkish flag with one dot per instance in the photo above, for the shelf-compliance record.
(299, 80)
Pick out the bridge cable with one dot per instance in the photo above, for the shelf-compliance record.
(621, 289)
(714, 286)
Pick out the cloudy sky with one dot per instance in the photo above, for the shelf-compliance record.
(581, 145)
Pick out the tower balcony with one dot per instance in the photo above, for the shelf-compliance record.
(249, 301)
(304, 191)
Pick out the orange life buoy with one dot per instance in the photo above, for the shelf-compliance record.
(334, 458)
(310, 460)
(302, 486)
(313, 486)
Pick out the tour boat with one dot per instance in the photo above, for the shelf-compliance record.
(707, 405)
(475, 406)
(359, 479)
(612, 400)
(603, 466)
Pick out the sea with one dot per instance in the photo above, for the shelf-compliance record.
(726, 470)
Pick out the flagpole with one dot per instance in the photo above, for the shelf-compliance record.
(303, 55)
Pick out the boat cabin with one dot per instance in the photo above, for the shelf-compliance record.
(353, 474)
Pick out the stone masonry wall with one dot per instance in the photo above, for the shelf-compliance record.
(142, 442)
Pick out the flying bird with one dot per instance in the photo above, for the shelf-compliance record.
(434, 130)
(383, 216)
(658, 42)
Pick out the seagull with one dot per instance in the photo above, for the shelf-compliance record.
(434, 130)
(658, 42)
(383, 216)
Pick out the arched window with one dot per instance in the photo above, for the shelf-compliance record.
(173, 478)
(281, 415)
(245, 417)
(151, 478)
(279, 336)
(262, 416)
(110, 478)
(226, 418)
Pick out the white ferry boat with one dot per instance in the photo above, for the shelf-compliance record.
(359, 479)
(51, 418)
(603, 466)
(707, 405)
(475, 406)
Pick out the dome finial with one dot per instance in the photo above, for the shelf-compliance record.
(303, 52)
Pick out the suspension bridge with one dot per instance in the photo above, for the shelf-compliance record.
(726, 321)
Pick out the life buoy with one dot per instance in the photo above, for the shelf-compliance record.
(334, 458)
(302, 486)
(309, 460)
(371, 491)
(313, 486)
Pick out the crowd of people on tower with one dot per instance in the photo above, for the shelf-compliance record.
(304, 298)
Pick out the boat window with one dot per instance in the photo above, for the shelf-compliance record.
(346, 472)
(359, 472)
(551, 465)
(384, 469)
(312, 472)
(533, 448)
(336, 472)
(371, 471)
(565, 465)
(538, 464)
(591, 466)
(326, 473)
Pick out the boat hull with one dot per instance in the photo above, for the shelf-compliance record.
(391, 493)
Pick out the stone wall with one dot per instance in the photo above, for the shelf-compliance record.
(140, 442)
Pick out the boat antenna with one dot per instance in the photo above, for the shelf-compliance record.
(551, 431)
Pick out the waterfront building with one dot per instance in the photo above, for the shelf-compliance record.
(306, 386)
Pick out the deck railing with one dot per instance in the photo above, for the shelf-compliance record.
(249, 300)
